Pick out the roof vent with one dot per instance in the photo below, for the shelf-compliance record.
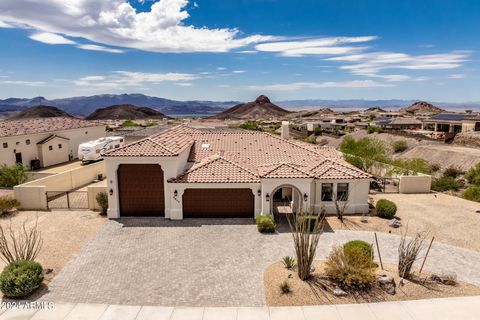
(205, 145)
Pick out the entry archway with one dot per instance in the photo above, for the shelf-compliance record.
(284, 198)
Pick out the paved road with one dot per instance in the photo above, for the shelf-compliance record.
(464, 308)
(207, 263)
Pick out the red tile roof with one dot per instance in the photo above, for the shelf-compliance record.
(31, 126)
(235, 155)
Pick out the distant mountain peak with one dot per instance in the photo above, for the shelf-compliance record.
(260, 108)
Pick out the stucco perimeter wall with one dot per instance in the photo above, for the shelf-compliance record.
(92, 192)
(415, 184)
(32, 194)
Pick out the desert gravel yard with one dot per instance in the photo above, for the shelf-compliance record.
(449, 219)
(195, 262)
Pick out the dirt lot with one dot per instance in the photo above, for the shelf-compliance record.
(319, 289)
(449, 219)
(63, 234)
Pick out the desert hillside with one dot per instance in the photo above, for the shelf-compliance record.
(40, 112)
(125, 112)
(420, 107)
(260, 108)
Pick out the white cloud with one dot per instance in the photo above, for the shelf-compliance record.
(457, 76)
(5, 25)
(23, 83)
(183, 84)
(239, 71)
(319, 85)
(221, 68)
(122, 79)
(317, 46)
(50, 38)
(94, 47)
(117, 23)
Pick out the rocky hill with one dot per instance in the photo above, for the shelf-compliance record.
(374, 110)
(125, 112)
(260, 108)
(311, 113)
(40, 112)
(420, 107)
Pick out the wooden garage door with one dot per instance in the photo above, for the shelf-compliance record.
(141, 190)
(218, 203)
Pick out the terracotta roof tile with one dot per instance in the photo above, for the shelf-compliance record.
(283, 170)
(31, 126)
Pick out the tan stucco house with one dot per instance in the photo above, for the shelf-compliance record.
(187, 172)
(49, 141)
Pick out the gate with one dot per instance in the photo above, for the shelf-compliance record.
(385, 185)
(67, 199)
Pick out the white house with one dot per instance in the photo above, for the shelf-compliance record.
(213, 173)
(48, 140)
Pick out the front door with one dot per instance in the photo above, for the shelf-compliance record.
(18, 158)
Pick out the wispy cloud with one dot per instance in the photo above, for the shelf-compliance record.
(319, 85)
(183, 84)
(457, 76)
(238, 71)
(23, 83)
(317, 46)
(94, 47)
(221, 68)
(50, 38)
(124, 79)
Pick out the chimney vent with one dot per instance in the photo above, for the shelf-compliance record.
(285, 130)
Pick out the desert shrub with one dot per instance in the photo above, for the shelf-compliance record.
(317, 131)
(265, 223)
(250, 125)
(8, 203)
(446, 183)
(357, 251)
(151, 123)
(399, 146)
(129, 123)
(102, 200)
(288, 262)
(408, 251)
(363, 153)
(351, 272)
(22, 244)
(472, 193)
(434, 167)
(386, 208)
(452, 172)
(21, 278)
(285, 287)
(372, 129)
(12, 176)
(407, 166)
(473, 175)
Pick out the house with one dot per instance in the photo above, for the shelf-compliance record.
(44, 142)
(398, 123)
(187, 172)
(452, 122)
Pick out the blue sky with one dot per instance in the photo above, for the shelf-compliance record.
(236, 50)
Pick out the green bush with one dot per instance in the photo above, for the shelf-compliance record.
(399, 146)
(265, 223)
(386, 208)
(372, 129)
(21, 278)
(129, 123)
(452, 172)
(446, 183)
(416, 165)
(472, 193)
(12, 176)
(473, 175)
(285, 287)
(288, 262)
(358, 251)
(250, 125)
(8, 203)
(102, 200)
(351, 272)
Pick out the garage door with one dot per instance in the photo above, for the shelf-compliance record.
(218, 203)
(141, 190)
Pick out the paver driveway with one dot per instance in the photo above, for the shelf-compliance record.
(153, 261)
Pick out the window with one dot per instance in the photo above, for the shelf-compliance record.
(50, 148)
(327, 191)
(342, 191)
(27, 142)
(59, 146)
(5, 144)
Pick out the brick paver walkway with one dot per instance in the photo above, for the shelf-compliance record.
(204, 262)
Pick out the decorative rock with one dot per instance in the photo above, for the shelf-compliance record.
(388, 284)
(339, 292)
(395, 223)
(48, 270)
(446, 279)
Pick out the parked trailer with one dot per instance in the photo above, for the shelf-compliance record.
(94, 150)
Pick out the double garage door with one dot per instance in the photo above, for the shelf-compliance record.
(141, 192)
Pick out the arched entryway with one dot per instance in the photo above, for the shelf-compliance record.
(285, 198)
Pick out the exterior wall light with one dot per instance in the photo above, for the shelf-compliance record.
(175, 193)
(305, 197)
(267, 197)
(110, 192)
(259, 192)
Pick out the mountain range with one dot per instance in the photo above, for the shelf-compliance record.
(84, 105)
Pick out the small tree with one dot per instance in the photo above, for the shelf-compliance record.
(408, 251)
(341, 203)
(8, 203)
(473, 175)
(24, 244)
(306, 230)
(12, 176)
(102, 200)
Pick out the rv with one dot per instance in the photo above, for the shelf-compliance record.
(94, 150)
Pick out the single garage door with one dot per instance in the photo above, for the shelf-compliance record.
(141, 190)
(218, 203)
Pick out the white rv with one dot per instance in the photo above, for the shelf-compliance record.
(94, 150)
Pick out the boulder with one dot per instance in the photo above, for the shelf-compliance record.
(339, 292)
(394, 223)
(387, 284)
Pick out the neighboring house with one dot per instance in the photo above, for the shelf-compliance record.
(398, 123)
(217, 173)
(452, 123)
(45, 141)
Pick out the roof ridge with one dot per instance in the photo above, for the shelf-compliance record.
(160, 145)
(288, 164)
